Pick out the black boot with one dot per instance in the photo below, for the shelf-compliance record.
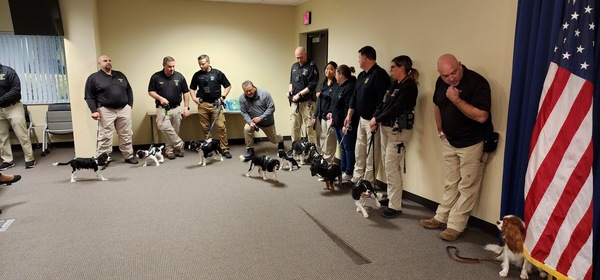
(280, 146)
(249, 153)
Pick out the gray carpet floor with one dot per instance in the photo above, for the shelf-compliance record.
(184, 221)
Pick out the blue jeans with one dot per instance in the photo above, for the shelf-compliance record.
(346, 149)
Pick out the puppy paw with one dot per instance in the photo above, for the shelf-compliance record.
(247, 174)
(524, 275)
(204, 164)
(157, 164)
(145, 164)
(365, 215)
(503, 273)
(543, 274)
(72, 181)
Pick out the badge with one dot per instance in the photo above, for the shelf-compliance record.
(212, 78)
(176, 82)
(304, 72)
(120, 80)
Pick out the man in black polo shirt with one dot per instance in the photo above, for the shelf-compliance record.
(209, 97)
(110, 99)
(304, 79)
(167, 87)
(371, 85)
(463, 104)
(12, 114)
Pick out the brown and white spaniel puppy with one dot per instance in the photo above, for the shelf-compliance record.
(513, 236)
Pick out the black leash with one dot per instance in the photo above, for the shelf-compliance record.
(219, 106)
(454, 256)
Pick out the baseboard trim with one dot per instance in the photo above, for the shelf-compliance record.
(484, 226)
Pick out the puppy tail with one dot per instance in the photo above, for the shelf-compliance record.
(61, 163)
(494, 248)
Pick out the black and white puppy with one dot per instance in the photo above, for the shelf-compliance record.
(86, 163)
(263, 163)
(301, 148)
(329, 172)
(288, 159)
(205, 149)
(362, 191)
(153, 153)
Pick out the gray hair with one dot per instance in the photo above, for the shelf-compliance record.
(247, 82)
(168, 59)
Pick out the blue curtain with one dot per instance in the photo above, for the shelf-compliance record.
(537, 27)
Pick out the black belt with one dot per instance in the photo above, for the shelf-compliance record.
(171, 107)
(9, 104)
(387, 123)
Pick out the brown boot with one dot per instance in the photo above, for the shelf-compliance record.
(432, 223)
(449, 234)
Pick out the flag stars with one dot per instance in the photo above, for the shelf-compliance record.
(580, 49)
(574, 16)
(588, 9)
(584, 65)
(577, 32)
(592, 26)
(566, 55)
(565, 25)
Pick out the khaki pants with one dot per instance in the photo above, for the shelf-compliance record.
(169, 124)
(393, 162)
(269, 131)
(464, 171)
(119, 120)
(207, 112)
(363, 168)
(14, 116)
(301, 122)
(328, 141)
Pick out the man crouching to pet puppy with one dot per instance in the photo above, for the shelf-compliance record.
(167, 87)
(257, 108)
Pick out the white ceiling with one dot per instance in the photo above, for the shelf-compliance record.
(267, 2)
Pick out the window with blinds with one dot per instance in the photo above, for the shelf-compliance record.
(40, 63)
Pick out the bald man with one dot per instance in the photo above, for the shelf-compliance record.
(304, 78)
(110, 99)
(463, 116)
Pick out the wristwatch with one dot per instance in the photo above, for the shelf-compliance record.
(187, 108)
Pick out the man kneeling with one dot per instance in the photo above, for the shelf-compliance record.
(257, 108)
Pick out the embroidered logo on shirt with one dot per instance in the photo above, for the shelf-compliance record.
(120, 80)
(212, 78)
(176, 82)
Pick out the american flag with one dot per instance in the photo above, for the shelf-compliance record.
(558, 182)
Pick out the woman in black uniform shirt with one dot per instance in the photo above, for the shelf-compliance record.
(327, 139)
(395, 117)
(346, 136)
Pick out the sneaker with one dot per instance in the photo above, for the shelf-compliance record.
(280, 146)
(171, 156)
(29, 164)
(346, 178)
(390, 213)
(131, 160)
(179, 153)
(227, 155)
(449, 234)
(354, 180)
(6, 165)
(431, 223)
(249, 153)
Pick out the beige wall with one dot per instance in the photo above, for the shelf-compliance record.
(246, 42)
(479, 33)
(256, 42)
